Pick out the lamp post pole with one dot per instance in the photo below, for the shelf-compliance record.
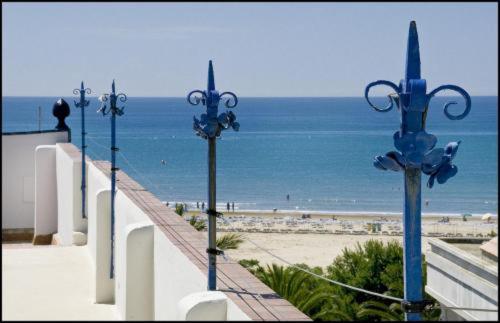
(209, 127)
(416, 154)
(114, 110)
(82, 104)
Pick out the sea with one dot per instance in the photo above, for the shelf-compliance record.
(318, 151)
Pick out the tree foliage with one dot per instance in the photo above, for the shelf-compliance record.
(229, 241)
(198, 224)
(372, 266)
(179, 208)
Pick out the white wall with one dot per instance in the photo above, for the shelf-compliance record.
(69, 202)
(128, 214)
(173, 284)
(45, 190)
(147, 264)
(18, 176)
(139, 280)
(459, 279)
(99, 233)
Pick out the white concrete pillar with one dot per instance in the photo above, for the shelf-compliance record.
(45, 192)
(203, 306)
(104, 285)
(135, 299)
(71, 225)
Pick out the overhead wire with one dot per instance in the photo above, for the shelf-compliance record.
(397, 299)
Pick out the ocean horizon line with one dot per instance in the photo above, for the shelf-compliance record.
(247, 97)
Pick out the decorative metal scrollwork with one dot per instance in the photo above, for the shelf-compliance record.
(391, 99)
(417, 151)
(455, 88)
(197, 99)
(83, 103)
(416, 146)
(211, 124)
(232, 96)
(112, 98)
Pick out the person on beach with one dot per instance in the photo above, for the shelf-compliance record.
(228, 207)
(202, 205)
(197, 205)
(232, 205)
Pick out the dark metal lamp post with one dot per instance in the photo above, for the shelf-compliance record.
(114, 110)
(209, 127)
(416, 154)
(82, 104)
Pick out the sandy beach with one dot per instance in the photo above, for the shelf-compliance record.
(317, 240)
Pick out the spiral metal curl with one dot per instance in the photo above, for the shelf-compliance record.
(455, 88)
(197, 99)
(232, 96)
(77, 91)
(122, 97)
(391, 100)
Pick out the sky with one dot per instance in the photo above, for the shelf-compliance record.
(258, 49)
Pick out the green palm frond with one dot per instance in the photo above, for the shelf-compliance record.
(229, 241)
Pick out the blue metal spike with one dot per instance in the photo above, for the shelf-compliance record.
(412, 54)
(210, 127)
(113, 86)
(211, 79)
(416, 156)
(82, 87)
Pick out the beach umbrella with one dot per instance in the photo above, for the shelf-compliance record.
(486, 216)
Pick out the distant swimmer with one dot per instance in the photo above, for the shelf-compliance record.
(426, 202)
(288, 197)
(163, 162)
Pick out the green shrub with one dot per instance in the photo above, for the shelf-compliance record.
(199, 225)
(179, 208)
(372, 266)
(229, 241)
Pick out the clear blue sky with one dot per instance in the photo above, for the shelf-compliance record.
(258, 49)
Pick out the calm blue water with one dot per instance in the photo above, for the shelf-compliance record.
(318, 150)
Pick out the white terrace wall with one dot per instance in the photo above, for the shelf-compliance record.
(459, 279)
(153, 279)
(69, 176)
(18, 175)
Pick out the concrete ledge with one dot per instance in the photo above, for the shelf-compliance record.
(457, 278)
(203, 306)
(139, 282)
(45, 192)
(104, 285)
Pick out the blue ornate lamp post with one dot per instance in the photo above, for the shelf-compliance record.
(416, 154)
(82, 104)
(114, 110)
(209, 127)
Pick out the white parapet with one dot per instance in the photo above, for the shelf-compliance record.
(457, 278)
(70, 224)
(18, 175)
(137, 291)
(45, 190)
(101, 217)
(203, 306)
